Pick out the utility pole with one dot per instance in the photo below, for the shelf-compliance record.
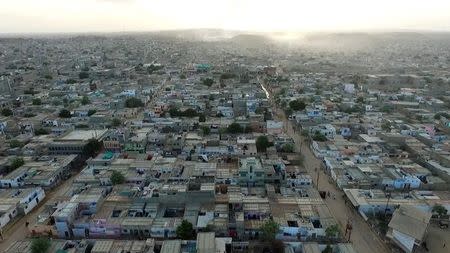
(348, 230)
(317, 180)
(387, 203)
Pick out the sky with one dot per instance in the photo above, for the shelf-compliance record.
(42, 16)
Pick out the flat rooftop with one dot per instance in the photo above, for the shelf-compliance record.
(83, 135)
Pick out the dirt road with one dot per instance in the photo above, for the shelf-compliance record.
(18, 231)
(364, 239)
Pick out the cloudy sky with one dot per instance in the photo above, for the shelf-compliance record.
(19, 16)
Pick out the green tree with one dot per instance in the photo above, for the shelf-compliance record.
(386, 126)
(7, 112)
(185, 230)
(328, 249)
(297, 105)
(288, 148)
(92, 148)
(305, 133)
(48, 77)
(71, 81)
(189, 113)
(332, 231)
(64, 113)
(91, 112)
(262, 143)
(360, 100)
(277, 246)
(117, 177)
(201, 118)
(41, 131)
(37, 101)
(440, 210)
(182, 76)
(319, 137)
(16, 163)
(83, 75)
(208, 82)
(85, 100)
(227, 76)
(133, 103)
(15, 144)
(387, 109)
(206, 130)
(40, 245)
(234, 128)
(116, 122)
(269, 230)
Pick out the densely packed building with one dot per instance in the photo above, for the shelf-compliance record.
(153, 143)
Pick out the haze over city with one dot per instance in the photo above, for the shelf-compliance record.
(213, 126)
(52, 16)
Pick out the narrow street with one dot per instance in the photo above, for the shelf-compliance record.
(18, 230)
(364, 239)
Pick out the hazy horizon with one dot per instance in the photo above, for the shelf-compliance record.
(105, 16)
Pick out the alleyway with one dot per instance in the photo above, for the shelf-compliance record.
(363, 237)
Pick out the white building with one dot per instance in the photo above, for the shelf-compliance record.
(349, 88)
(18, 201)
(408, 227)
(274, 127)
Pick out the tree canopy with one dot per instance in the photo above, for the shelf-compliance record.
(319, 137)
(133, 103)
(116, 122)
(440, 210)
(297, 105)
(16, 163)
(262, 143)
(85, 100)
(7, 112)
(235, 128)
(83, 75)
(41, 131)
(37, 101)
(332, 231)
(328, 249)
(185, 230)
(206, 130)
(288, 148)
(360, 100)
(91, 112)
(208, 82)
(117, 177)
(190, 113)
(92, 148)
(64, 113)
(227, 76)
(40, 245)
(269, 230)
(15, 143)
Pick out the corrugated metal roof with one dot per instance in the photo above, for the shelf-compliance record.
(171, 246)
(206, 242)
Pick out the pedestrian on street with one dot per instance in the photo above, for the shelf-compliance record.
(27, 224)
(444, 245)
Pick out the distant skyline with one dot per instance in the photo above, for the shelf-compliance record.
(75, 16)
